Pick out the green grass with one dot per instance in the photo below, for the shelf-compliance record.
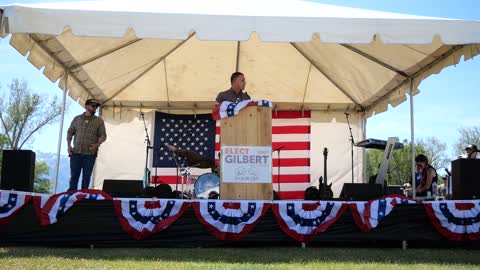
(237, 258)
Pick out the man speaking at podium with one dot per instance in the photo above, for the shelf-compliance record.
(234, 94)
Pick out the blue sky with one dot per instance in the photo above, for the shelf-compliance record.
(447, 101)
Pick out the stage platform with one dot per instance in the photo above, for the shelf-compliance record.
(83, 220)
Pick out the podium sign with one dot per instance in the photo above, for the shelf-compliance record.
(246, 164)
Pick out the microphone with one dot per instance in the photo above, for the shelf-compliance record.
(279, 148)
(448, 172)
(346, 113)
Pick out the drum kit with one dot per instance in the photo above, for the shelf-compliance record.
(205, 186)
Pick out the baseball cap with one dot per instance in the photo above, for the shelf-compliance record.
(471, 146)
(91, 102)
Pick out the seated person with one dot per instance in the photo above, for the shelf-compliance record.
(471, 152)
(234, 94)
(429, 176)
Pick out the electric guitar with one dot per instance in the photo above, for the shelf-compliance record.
(326, 192)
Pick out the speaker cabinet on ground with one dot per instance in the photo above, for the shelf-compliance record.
(18, 170)
(361, 191)
(123, 188)
(465, 179)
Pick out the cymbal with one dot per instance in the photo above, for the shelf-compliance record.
(194, 159)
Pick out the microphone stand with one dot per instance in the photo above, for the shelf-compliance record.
(147, 140)
(174, 156)
(351, 141)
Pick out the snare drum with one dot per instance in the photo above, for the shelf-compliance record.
(205, 184)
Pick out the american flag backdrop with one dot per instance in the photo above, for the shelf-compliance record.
(290, 131)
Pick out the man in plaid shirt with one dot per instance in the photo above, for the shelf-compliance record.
(88, 132)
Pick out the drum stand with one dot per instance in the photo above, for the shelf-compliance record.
(185, 173)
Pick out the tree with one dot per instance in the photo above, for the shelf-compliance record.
(435, 151)
(25, 113)
(42, 183)
(22, 114)
(400, 163)
(468, 135)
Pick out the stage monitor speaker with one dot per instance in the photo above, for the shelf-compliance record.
(18, 170)
(361, 191)
(123, 188)
(465, 182)
(394, 190)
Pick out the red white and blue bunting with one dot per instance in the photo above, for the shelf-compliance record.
(229, 109)
(39, 201)
(11, 203)
(229, 220)
(143, 217)
(302, 220)
(59, 203)
(455, 220)
(232, 220)
(367, 215)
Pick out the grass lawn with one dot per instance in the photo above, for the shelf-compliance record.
(13, 258)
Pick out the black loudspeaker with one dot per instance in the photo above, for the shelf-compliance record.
(394, 190)
(123, 188)
(465, 182)
(160, 191)
(361, 191)
(18, 170)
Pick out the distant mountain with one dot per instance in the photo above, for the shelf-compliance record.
(63, 172)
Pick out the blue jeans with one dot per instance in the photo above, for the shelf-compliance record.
(81, 163)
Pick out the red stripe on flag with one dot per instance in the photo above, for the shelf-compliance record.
(289, 162)
(282, 130)
(291, 145)
(167, 179)
(290, 114)
(286, 145)
(291, 130)
(292, 195)
(291, 178)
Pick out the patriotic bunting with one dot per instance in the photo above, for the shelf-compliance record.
(232, 220)
(11, 203)
(229, 220)
(59, 203)
(367, 215)
(302, 220)
(143, 217)
(39, 201)
(229, 109)
(455, 220)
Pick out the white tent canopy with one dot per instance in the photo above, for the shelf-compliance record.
(181, 53)
(177, 55)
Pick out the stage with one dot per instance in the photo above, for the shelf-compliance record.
(91, 218)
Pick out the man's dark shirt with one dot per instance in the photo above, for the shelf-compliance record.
(229, 95)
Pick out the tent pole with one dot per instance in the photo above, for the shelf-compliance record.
(412, 139)
(60, 132)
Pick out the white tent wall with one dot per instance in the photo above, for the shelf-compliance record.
(122, 156)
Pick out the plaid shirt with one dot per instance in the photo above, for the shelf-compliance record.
(86, 130)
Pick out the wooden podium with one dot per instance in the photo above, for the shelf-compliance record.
(251, 127)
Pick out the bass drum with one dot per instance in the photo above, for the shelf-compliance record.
(205, 184)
